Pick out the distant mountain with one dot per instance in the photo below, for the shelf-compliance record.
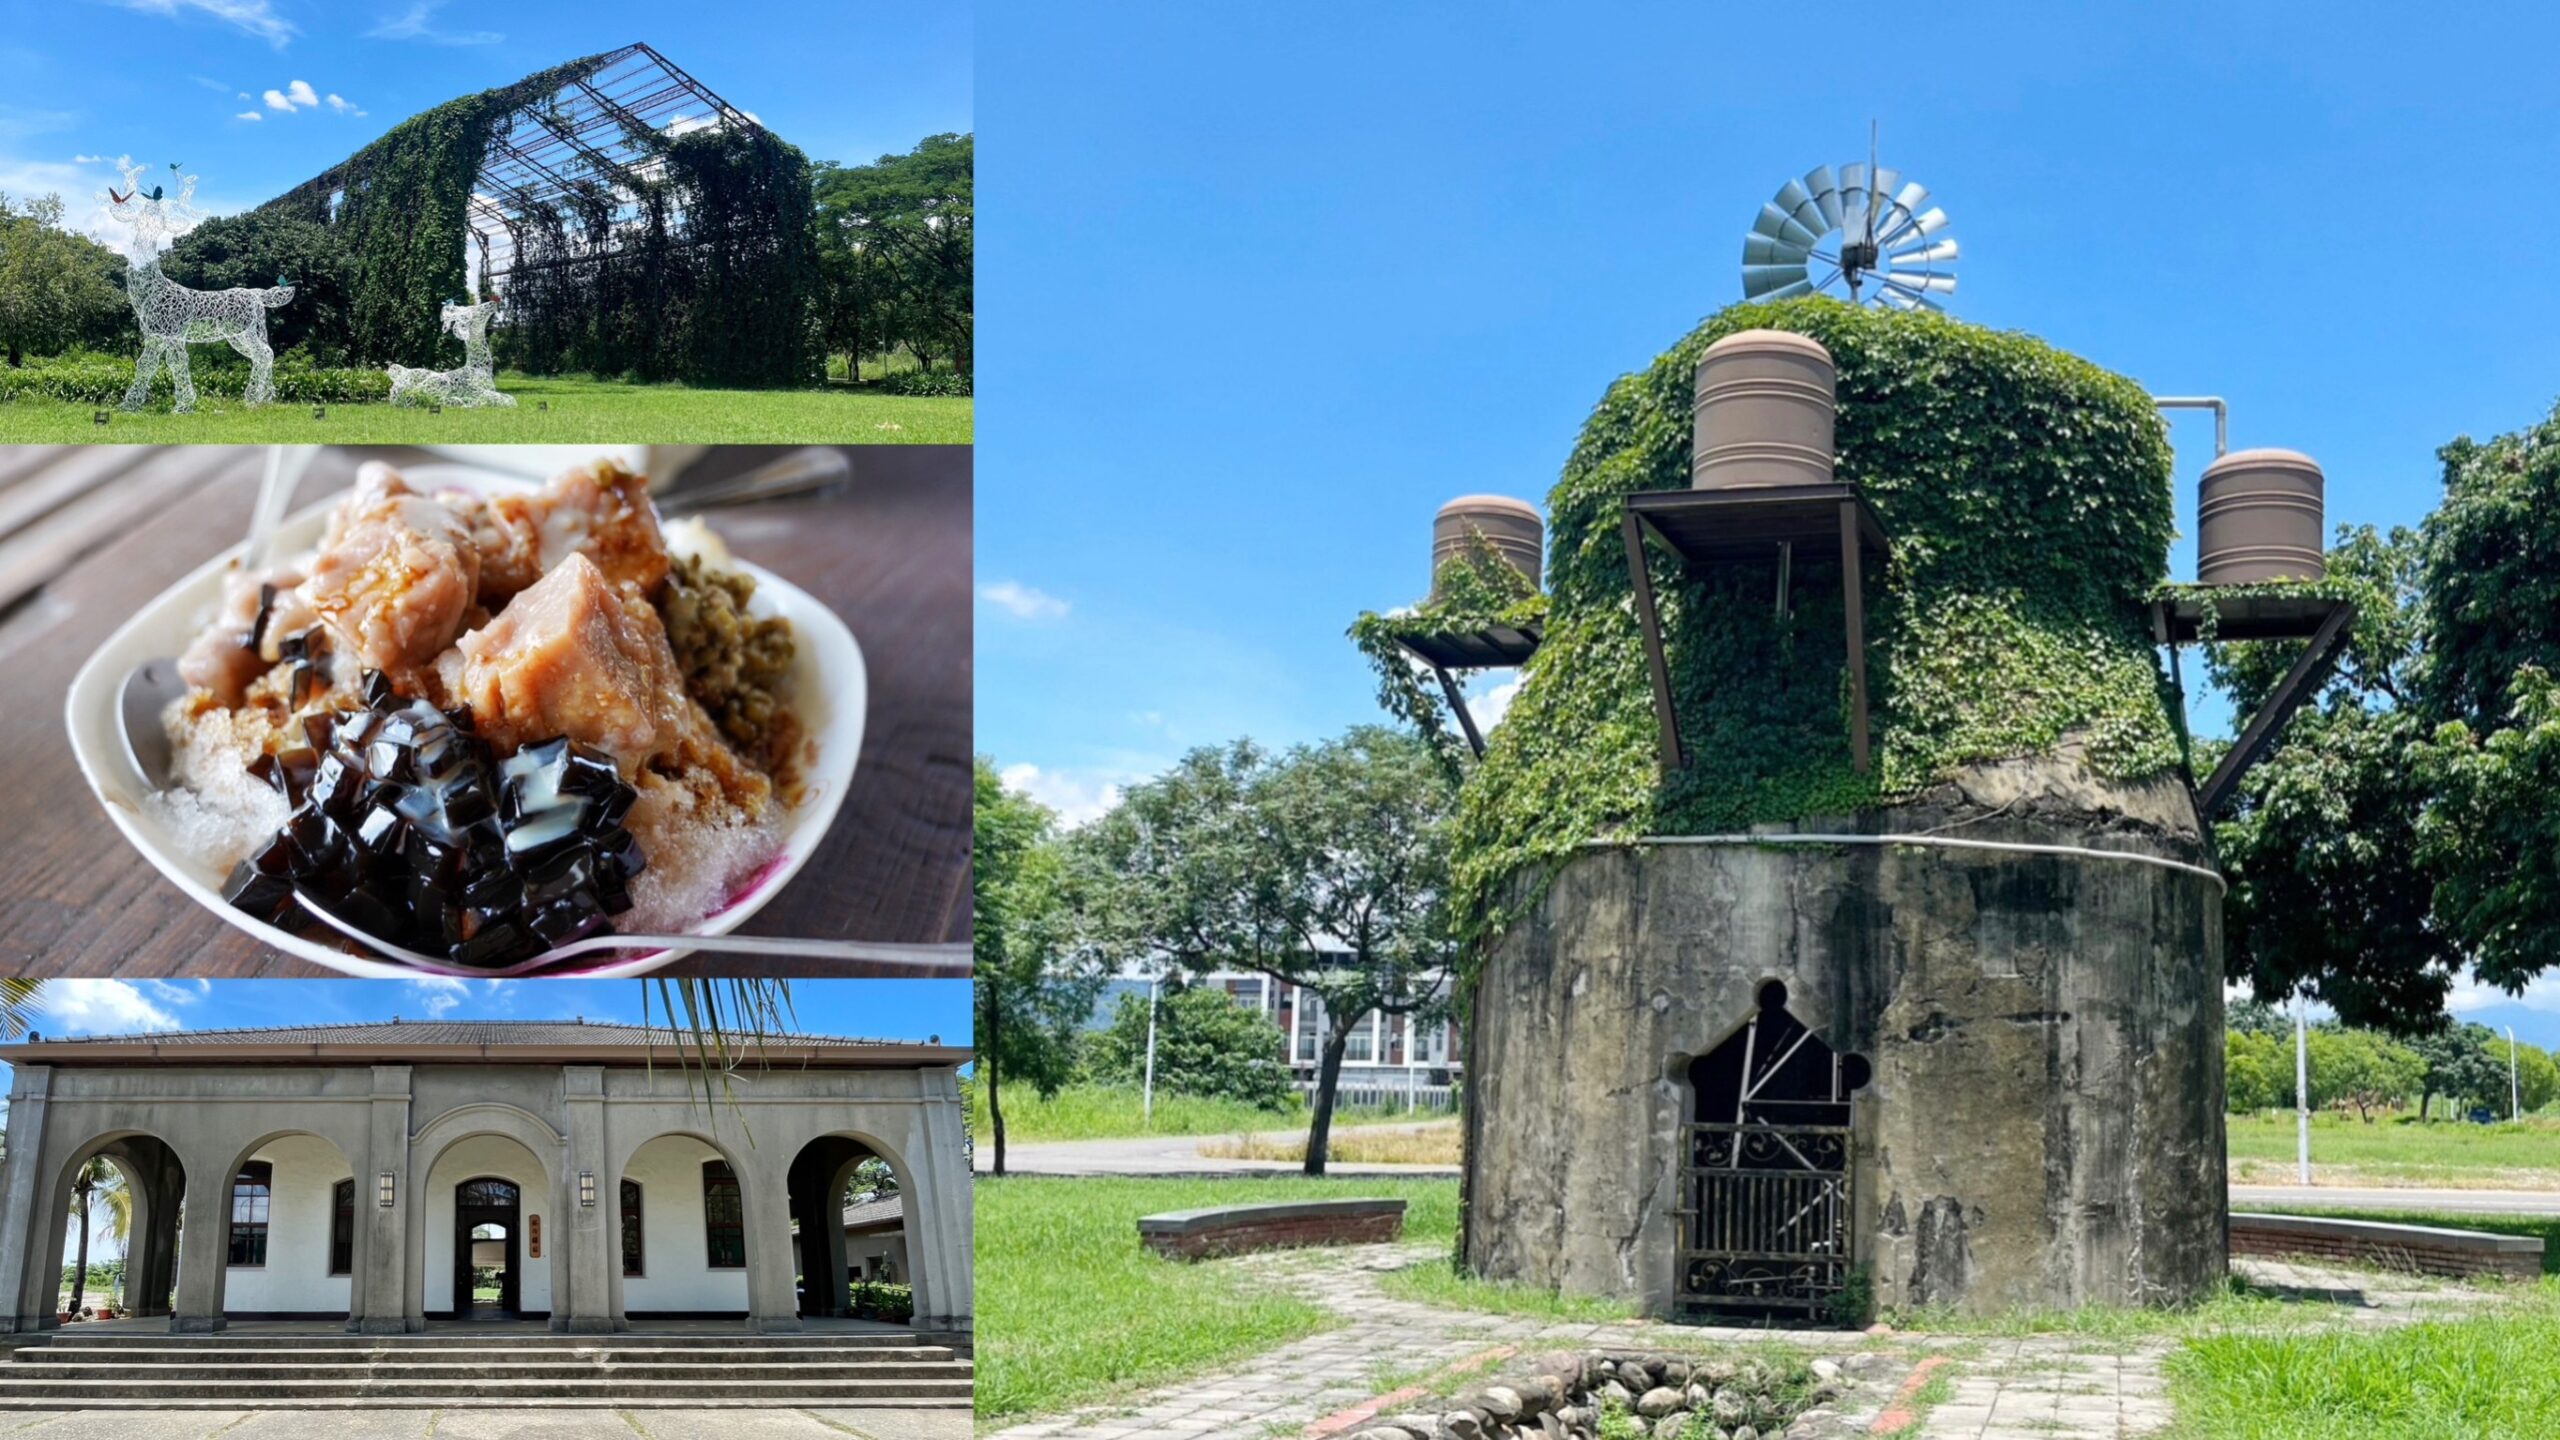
(2533, 1027)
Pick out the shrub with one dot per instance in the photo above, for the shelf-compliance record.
(925, 382)
(1206, 1044)
(90, 379)
(895, 1304)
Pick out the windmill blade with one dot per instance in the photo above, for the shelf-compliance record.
(1801, 287)
(1800, 207)
(1943, 250)
(1942, 284)
(1759, 280)
(1778, 225)
(1826, 194)
(1924, 226)
(1900, 292)
(1761, 250)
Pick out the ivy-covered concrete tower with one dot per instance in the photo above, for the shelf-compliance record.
(1761, 1021)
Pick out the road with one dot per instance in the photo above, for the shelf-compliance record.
(1180, 1155)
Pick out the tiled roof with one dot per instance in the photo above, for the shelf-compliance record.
(448, 1032)
(871, 1212)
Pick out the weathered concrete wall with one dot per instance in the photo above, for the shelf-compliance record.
(2044, 1126)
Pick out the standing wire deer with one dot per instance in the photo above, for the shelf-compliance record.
(173, 316)
(475, 384)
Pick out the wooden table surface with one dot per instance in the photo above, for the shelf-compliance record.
(88, 534)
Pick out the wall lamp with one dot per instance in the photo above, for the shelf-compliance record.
(382, 1189)
(586, 1189)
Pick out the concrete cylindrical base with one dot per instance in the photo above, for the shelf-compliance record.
(2258, 518)
(2039, 1037)
(1764, 402)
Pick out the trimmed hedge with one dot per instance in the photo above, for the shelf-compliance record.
(895, 1304)
(102, 379)
(2027, 494)
(924, 382)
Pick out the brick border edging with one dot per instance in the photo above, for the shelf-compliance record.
(1242, 1229)
(2423, 1249)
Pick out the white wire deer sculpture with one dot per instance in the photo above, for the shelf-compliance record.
(173, 316)
(472, 385)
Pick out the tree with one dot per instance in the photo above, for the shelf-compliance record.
(1036, 984)
(2255, 1017)
(2319, 843)
(2458, 1066)
(896, 241)
(58, 291)
(2361, 1068)
(2257, 1071)
(98, 1185)
(1205, 1044)
(1325, 868)
(258, 247)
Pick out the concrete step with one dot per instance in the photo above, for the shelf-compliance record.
(617, 1356)
(16, 1393)
(612, 1402)
(535, 1339)
(489, 1370)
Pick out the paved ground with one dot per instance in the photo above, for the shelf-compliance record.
(487, 1424)
(1169, 1155)
(1387, 1344)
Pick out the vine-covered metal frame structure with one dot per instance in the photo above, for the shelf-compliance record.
(634, 221)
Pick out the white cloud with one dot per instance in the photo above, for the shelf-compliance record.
(1076, 796)
(1023, 602)
(343, 105)
(414, 23)
(88, 159)
(257, 17)
(296, 95)
(248, 115)
(100, 1007)
(1493, 704)
(440, 993)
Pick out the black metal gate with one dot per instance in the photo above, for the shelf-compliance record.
(1765, 1198)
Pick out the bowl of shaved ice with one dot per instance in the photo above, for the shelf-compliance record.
(479, 718)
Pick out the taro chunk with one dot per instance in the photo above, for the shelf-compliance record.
(394, 575)
(577, 656)
(602, 512)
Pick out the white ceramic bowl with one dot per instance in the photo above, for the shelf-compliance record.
(828, 691)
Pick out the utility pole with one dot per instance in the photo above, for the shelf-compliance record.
(2302, 1081)
(1147, 1103)
(2515, 1092)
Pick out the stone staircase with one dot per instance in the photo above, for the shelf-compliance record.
(233, 1370)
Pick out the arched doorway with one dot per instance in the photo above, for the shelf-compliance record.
(1765, 1174)
(488, 1268)
(288, 1231)
(680, 1232)
(130, 1191)
(851, 1265)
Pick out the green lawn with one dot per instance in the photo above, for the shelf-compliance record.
(1106, 1112)
(1445, 1285)
(1072, 1309)
(2488, 1376)
(2399, 1150)
(581, 410)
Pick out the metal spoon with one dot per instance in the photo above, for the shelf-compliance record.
(946, 961)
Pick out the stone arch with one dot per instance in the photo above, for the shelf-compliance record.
(547, 1197)
(657, 1201)
(821, 1255)
(220, 1188)
(158, 1176)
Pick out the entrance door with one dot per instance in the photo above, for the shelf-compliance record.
(1765, 1182)
(487, 1226)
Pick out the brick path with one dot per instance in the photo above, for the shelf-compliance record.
(2062, 1387)
(1388, 1344)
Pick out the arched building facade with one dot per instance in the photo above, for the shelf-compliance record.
(400, 1174)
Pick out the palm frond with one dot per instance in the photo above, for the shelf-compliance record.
(726, 1024)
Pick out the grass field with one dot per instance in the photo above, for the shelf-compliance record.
(1071, 1308)
(1106, 1112)
(2524, 1155)
(2489, 1375)
(1446, 1285)
(1380, 1144)
(581, 410)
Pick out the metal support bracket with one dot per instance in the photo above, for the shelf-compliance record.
(1458, 704)
(2310, 671)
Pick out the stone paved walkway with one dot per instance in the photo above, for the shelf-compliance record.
(1388, 1344)
(2062, 1387)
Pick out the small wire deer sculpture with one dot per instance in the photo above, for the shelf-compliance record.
(472, 385)
(173, 316)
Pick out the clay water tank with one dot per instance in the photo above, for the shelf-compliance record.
(1764, 403)
(2258, 518)
(1511, 527)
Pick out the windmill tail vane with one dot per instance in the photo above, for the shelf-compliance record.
(1857, 229)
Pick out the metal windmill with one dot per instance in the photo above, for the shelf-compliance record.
(1863, 226)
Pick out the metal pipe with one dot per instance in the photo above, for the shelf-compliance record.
(2221, 416)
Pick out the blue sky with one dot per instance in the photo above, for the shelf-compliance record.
(1260, 290)
(174, 80)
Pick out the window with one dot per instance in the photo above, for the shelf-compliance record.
(342, 1228)
(251, 1191)
(631, 1256)
(724, 1217)
(1306, 1043)
(1362, 1046)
